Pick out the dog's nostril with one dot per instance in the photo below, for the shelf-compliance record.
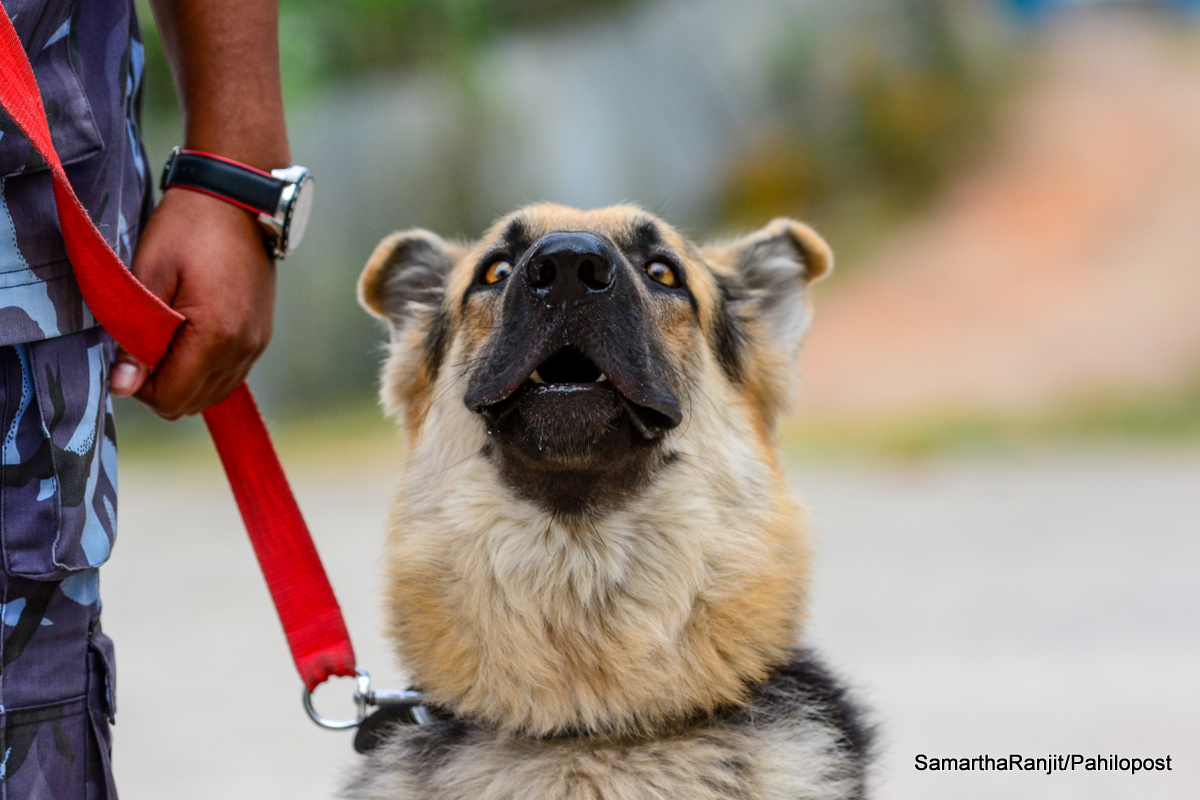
(540, 274)
(596, 273)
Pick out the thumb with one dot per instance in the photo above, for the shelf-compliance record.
(127, 374)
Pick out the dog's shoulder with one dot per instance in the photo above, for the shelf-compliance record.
(813, 739)
(800, 736)
(804, 690)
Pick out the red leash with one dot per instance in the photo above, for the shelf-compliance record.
(145, 326)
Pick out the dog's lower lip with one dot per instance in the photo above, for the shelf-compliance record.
(563, 389)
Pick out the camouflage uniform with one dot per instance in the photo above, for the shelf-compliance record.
(58, 490)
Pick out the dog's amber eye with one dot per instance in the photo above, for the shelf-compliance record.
(662, 273)
(497, 272)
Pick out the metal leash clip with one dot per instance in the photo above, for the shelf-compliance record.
(405, 705)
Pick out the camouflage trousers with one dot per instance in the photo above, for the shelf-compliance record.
(57, 521)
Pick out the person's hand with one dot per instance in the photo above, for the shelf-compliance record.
(205, 258)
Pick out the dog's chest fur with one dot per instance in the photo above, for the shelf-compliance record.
(670, 605)
(799, 739)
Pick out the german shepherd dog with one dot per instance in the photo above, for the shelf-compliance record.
(597, 573)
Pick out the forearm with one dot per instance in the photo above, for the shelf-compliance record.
(224, 56)
(201, 255)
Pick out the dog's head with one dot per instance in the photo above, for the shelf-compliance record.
(580, 353)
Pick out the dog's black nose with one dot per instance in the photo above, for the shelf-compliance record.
(570, 268)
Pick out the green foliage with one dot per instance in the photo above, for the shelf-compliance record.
(322, 41)
(883, 104)
(355, 36)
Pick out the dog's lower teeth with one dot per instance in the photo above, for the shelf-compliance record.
(535, 377)
(602, 378)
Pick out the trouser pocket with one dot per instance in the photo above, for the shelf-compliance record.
(59, 488)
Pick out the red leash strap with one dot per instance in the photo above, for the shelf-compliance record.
(145, 326)
(299, 586)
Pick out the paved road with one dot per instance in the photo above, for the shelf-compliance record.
(1035, 604)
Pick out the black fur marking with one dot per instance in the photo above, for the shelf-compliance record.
(729, 335)
(434, 743)
(804, 688)
(641, 242)
(437, 341)
(422, 749)
(642, 237)
(376, 728)
(517, 238)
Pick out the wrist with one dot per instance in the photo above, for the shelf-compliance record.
(183, 213)
(266, 152)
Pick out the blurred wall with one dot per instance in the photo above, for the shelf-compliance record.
(707, 112)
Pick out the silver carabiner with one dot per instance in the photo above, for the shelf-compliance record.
(361, 695)
(412, 699)
(364, 696)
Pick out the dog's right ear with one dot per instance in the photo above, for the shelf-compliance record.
(405, 275)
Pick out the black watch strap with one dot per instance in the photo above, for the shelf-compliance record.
(245, 186)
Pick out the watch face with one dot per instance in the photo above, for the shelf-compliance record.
(301, 208)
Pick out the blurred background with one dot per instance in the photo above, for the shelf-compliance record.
(999, 420)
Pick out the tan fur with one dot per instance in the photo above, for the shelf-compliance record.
(667, 606)
(407, 378)
(770, 384)
(506, 613)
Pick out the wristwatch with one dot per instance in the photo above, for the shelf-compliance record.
(282, 198)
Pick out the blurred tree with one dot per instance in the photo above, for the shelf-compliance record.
(878, 109)
(324, 40)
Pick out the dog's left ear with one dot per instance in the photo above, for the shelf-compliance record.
(407, 275)
(771, 269)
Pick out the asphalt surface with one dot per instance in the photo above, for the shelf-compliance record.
(1035, 604)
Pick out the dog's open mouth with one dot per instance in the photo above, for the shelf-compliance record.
(569, 367)
(568, 396)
